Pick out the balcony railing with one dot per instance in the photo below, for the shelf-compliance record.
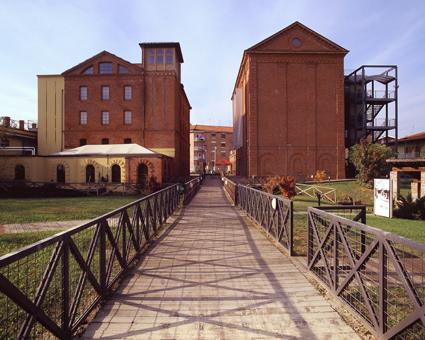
(380, 94)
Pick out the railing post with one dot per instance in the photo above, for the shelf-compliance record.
(309, 238)
(336, 259)
(291, 228)
(382, 288)
(102, 259)
(236, 194)
(124, 239)
(65, 287)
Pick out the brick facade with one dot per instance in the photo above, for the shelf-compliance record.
(158, 105)
(293, 109)
(210, 148)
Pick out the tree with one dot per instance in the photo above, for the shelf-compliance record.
(369, 160)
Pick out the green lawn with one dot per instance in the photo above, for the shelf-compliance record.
(412, 229)
(58, 209)
(12, 242)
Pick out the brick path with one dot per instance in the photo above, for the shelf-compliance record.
(215, 276)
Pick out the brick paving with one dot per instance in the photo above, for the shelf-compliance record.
(215, 276)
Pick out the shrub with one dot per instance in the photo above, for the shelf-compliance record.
(410, 209)
(369, 160)
(320, 175)
(280, 185)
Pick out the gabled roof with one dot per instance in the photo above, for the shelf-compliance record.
(211, 128)
(175, 45)
(107, 150)
(332, 47)
(92, 59)
(299, 25)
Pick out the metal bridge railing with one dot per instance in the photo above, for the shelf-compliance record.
(48, 289)
(379, 275)
(191, 188)
(273, 213)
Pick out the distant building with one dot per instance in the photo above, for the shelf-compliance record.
(210, 148)
(288, 106)
(139, 109)
(411, 146)
(17, 137)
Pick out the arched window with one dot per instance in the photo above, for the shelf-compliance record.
(142, 174)
(19, 172)
(60, 174)
(90, 174)
(116, 173)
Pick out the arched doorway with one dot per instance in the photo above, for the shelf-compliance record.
(60, 174)
(90, 174)
(142, 174)
(116, 173)
(19, 172)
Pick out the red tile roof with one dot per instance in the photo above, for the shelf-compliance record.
(415, 136)
(211, 128)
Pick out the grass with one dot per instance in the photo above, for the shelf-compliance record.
(58, 209)
(12, 242)
(412, 229)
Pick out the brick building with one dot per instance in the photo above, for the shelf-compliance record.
(288, 106)
(210, 148)
(108, 100)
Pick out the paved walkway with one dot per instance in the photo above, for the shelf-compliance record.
(38, 226)
(215, 276)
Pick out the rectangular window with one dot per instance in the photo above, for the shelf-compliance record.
(83, 118)
(223, 135)
(83, 92)
(105, 117)
(127, 140)
(128, 92)
(105, 140)
(169, 56)
(127, 118)
(105, 68)
(83, 141)
(223, 144)
(160, 56)
(151, 56)
(213, 135)
(105, 92)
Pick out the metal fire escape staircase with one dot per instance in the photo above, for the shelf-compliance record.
(373, 96)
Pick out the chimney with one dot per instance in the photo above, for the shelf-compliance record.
(21, 125)
(6, 122)
(34, 126)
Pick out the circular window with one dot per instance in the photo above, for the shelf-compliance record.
(296, 42)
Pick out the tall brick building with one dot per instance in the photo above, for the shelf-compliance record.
(210, 148)
(108, 100)
(288, 106)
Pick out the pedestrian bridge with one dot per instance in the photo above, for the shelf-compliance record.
(152, 270)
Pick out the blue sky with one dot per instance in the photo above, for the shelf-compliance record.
(47, 37)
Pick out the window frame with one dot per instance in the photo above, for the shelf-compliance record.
(130, 88)
(83, 141)
(104, 63)
(81, 96)
(102, 93)
(126, 121)
(104, 141)
(83, 121)
(103, 115)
